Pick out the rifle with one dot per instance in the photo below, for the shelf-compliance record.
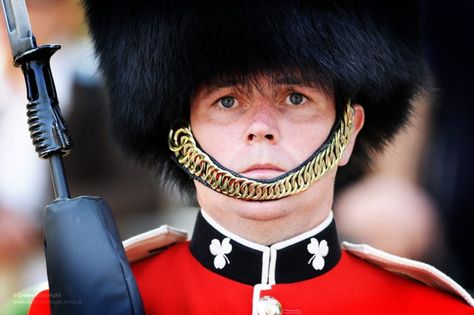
(71, 225)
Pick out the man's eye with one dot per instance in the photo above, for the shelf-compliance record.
(227, 102)
(295, 99)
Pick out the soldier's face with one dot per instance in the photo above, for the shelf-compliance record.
(261, 130)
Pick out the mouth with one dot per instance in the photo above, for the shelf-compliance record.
(263, 171)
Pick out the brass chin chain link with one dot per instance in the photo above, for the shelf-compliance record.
(198, 164)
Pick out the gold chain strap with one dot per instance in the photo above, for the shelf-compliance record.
(198, 163)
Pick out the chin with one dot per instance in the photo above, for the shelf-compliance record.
(260, 210)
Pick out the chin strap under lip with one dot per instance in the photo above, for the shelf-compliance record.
(202, 167)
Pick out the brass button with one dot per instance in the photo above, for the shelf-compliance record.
(268, 305)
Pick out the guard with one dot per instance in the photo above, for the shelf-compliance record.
(252, 107)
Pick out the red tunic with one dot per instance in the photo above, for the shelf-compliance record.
(176, 282)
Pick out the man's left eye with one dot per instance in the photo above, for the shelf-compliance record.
(295, 99)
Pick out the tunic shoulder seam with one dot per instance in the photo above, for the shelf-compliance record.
(409, 268)
(152, 242)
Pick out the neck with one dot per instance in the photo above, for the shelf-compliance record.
(268, 222)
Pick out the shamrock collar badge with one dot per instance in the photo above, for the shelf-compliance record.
(220, 251)
(319, 251)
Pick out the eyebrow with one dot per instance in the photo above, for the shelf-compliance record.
(247, 81)
(211, 88)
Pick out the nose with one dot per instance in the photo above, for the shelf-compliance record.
(253, 137)
(263, 126)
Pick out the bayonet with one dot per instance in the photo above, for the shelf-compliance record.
(18, 27)
(47, 128)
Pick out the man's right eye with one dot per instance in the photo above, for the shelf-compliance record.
(227, 102)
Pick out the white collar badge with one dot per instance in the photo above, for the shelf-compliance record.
(319, 251)
(220, 251)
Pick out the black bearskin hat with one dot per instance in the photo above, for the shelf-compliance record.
(155, 54)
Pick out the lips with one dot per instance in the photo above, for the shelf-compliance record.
(263, 171)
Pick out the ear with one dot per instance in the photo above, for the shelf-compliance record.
(358, 122)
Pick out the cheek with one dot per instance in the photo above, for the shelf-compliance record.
(216, 139)
(305, 138)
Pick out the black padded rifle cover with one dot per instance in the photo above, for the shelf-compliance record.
(88, 271)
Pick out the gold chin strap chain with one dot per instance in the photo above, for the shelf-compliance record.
(198, 163)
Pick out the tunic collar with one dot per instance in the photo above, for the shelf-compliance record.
(302, 257)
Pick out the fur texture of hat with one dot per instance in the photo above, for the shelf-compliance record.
(155, 54)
